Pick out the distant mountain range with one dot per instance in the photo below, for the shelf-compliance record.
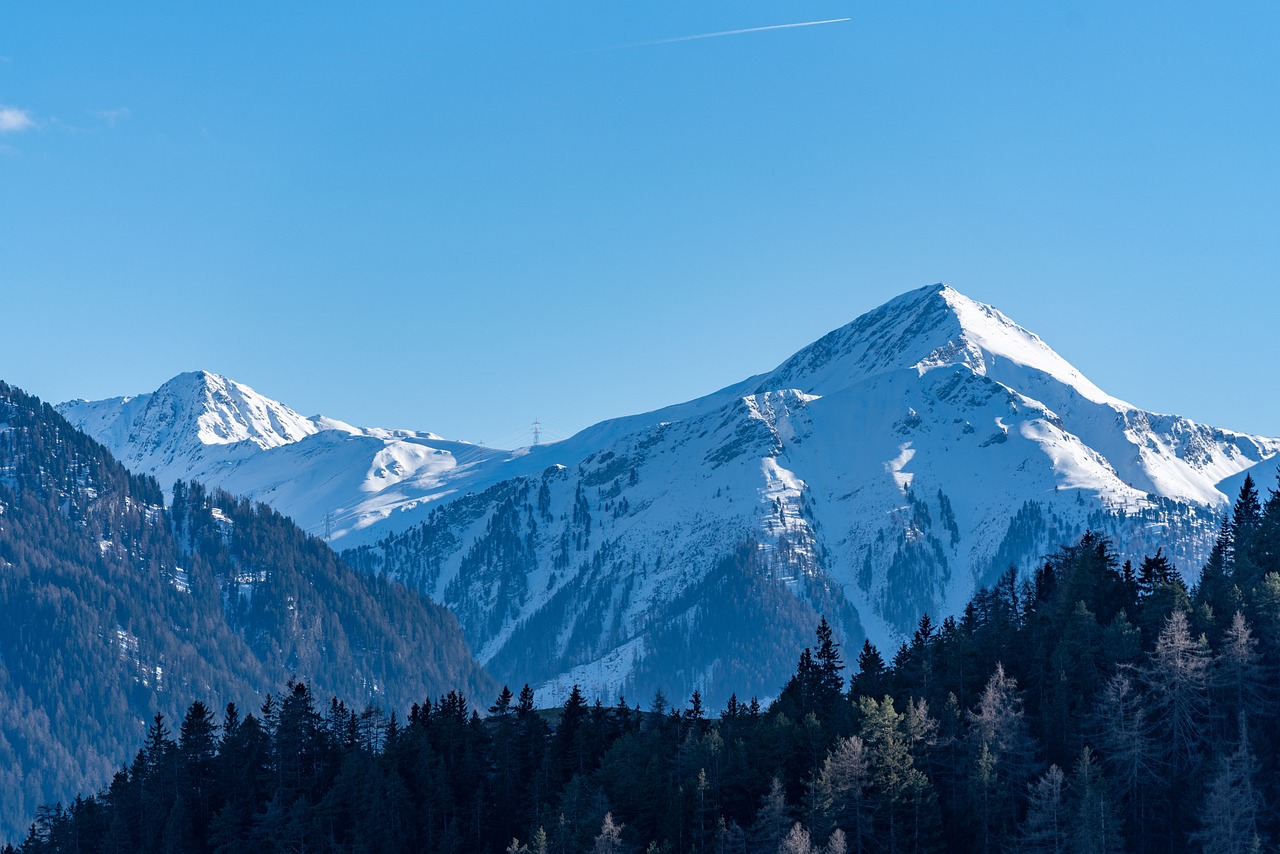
(885, 471)
(116, 607)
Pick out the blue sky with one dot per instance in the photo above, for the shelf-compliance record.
(459, 217)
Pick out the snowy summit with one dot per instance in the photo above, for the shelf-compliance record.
(884, 471)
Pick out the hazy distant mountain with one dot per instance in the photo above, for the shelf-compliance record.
(883, 471)
(116, 607)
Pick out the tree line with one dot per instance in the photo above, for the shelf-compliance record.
(1087, 706)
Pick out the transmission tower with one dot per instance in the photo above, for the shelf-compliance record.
(537, 431)
(328, 525)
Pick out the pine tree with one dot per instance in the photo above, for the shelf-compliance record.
(1216, 588)
(998, 721)
(830, 666)
(503, 706)
(571, 737)
(901, 798)
(197, 751)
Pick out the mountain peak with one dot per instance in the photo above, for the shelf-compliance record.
(224, 412)
(164, 431)
(931, 327)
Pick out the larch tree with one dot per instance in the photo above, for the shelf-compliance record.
(842, 791)
(1094, 824)
(1003, 756)
(1124, 732)
(1229, 816)
(1177, 680)
(772, 820)
(1044, 831)
(796, 841)
(1238, 675)
(610, 839)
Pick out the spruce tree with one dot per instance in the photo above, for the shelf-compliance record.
(1246, 524)
(869, 680)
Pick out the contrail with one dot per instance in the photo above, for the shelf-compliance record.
(737, 32)
(731, 33)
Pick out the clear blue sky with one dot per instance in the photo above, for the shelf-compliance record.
(460, 216)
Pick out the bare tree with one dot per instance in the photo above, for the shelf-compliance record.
(1045, 829)
(796, 841)
(1177, 680)
(610, 839)
(1229, 818)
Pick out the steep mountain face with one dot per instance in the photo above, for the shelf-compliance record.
(882, 472)
(117, 608)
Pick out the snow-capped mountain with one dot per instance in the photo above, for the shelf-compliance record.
(882, 472)
(327, 475)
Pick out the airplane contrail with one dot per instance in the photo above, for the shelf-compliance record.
(732, 33)
(737, 32)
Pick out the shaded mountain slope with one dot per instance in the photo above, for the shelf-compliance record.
(116, 608)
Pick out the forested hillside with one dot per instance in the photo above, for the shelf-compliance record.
(116, 608)
(1083, 705)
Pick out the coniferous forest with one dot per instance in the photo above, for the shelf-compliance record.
(1086, 705)
(114, 607)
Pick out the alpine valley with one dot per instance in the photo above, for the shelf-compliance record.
(887, 470)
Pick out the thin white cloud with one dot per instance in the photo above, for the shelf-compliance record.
(114, 115)
(738, 32)
(13, 120)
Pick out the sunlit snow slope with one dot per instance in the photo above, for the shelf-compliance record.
(882, 472)
(325, 474)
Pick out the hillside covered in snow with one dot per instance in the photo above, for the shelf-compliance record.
(885, 471)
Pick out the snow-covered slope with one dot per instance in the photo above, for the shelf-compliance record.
(327, 475)
(884, 471)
